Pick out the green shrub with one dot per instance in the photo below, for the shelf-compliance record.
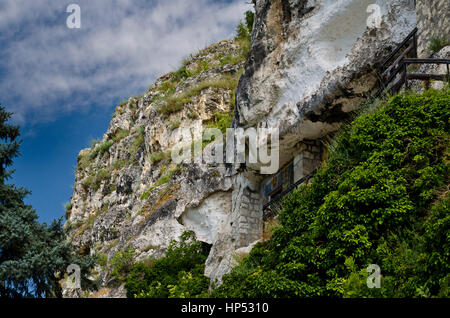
(118, 164)
(244, 29)
(68, 209)
(120, 109)
(87, 183)
(100, 149)
(202, 66)
(159, 156)
(175, 103)
(122, 263)
(373, 203)
(146, 194)
(241, 31)
(436, 44)
(168, 87)
(119, 135)
(175, 124)
(249, 18)
(102, 261)
(101, 176)
(178, 274)
(83, 162)
(181, 73)
(165, 178)
(230, 59)
(138, 141)
(94, 181)
(221, 121)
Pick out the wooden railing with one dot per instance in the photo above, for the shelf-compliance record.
(389, 70)
(424, 77)
(394, 73)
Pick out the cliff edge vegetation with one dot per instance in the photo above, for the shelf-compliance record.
(382, 198)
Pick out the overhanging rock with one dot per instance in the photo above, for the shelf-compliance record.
(311, 64)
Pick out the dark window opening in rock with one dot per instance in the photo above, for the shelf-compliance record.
(206, 248)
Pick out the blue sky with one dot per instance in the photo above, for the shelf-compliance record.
(63, 84)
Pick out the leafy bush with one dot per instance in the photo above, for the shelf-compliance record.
(230, 59)
(436, 44)
(87, 183)
(119, 135)
(94, 181)
(83, 162)
(178, 274)
(244, 29)
(138, 141)
(175, 103)
(202, 66)
(165, 178)
(181, 73)
(68, 209)
(221, 121)
(121, 264)
(146, 194)
(159, 156)
(168, 87)
(100, 149)
(249, 19)
(373, 203)
(175, 124)
(241, 31)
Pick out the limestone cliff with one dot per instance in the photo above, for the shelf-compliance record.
(311, 63)
(129, 193)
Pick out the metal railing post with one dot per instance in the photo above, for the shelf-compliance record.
(415, 45)
(405, 75)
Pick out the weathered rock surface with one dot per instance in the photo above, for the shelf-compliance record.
(128, 191)
(311, 63)
(433, 22)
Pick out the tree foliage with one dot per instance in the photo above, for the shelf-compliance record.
(32, 255)
(244, 28)
(179, 274)
(382, 198)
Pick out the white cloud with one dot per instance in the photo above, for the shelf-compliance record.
(47, 70)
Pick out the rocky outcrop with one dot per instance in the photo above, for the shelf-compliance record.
(311, 63)
(433, 22)
(130, 194)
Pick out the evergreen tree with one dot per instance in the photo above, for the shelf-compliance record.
(32, 255)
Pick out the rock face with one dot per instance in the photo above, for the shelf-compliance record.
(129, 193)
(311, 63)
(433, 21)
